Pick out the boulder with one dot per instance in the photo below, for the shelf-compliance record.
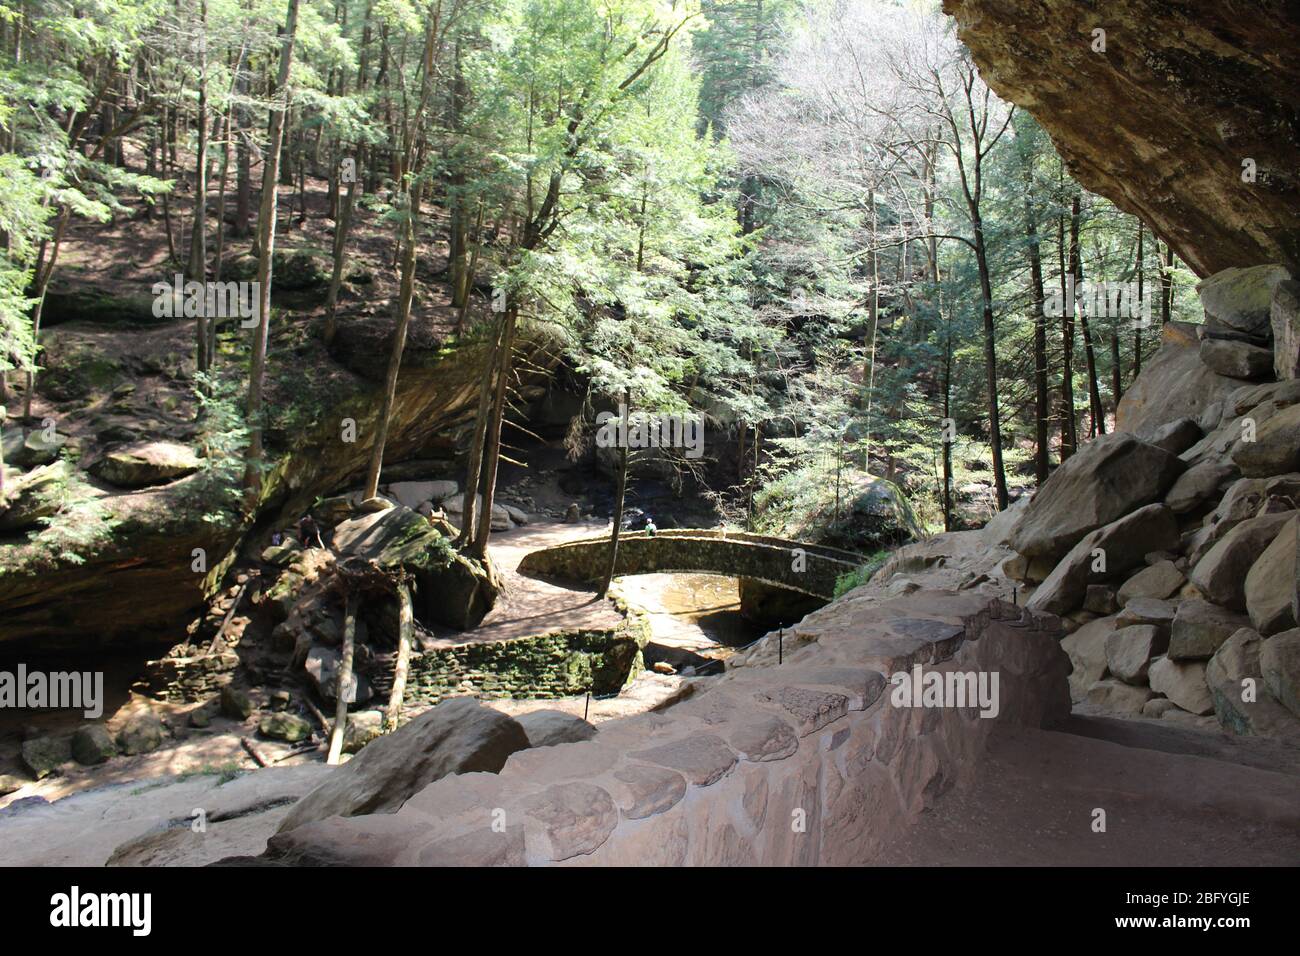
(322, 667)
(1199, 484)
(1199, 628)
(1242, 500)
(1221, 573)
(1237, 360)
(546, 728)
(1240, 299)
(1177, 436)
(1211, 417)
(455, 508)
(451, 589)
(1086, 648)
(34, 496)
(414, 493)
(1276, 448)
(1147, 611)
(93, 744)
(141, 734)
(1108, 478)
(1130, 649)
(363, 727)
(456, 736)
(1157, 707)
(1122, 544)
(1243, 702)
(45, 755)
(1276, 394)
(1285, 318)
(283, 726)
(870, 513)
(235, 703)
(1100, 599)
(146, 463)
(517, 515)
(37, 448)
(1183, 682)
(1174, 384)
(1271, 582)
(459, 595)
(294, 270)
(1160, 580)
(1116, 697)
(1279, 661)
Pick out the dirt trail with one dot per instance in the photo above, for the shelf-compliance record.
(530, 606)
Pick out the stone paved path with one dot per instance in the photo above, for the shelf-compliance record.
(1172, 796)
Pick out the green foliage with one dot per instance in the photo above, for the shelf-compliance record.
(861, 575)
(81, 521)
(215, 490)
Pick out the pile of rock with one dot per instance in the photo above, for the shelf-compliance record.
(141, 732)
(1174, 553)
(444, 499)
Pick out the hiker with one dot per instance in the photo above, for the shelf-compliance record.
(650, 527)
(308, 532)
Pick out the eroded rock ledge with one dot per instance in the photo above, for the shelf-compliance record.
(1162, 121)
(728, 776)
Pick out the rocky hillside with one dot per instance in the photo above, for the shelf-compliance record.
(134, 500)
(1170, 549)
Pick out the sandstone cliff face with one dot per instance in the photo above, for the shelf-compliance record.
(1161, 122)
(140, 584)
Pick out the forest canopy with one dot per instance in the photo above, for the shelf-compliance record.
(811, 223)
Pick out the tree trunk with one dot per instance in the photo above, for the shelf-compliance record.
(619, 497)
(1166, 284)
(1037, 296)
(344, 677)
(405, 619)
(471, 272)
(341, 228)
(265, 250)
(492, 452)
(1096, 416)
(474, 461)
(991, 366)
(3, 417)
(398, 345)
(197, 268)
(1069, 437)
(947, 415)
(1141, 295)
(221, 235)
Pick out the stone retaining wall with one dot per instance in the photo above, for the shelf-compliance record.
(562, 664)
(803, 762)
(188, 679)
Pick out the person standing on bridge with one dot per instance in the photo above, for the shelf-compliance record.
(650, 527)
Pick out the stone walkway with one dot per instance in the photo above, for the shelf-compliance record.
(1172, 797)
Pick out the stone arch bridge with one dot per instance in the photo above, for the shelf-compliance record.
(794, 565)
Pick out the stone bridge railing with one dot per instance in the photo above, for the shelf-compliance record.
(807, 762)
(794, 565)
